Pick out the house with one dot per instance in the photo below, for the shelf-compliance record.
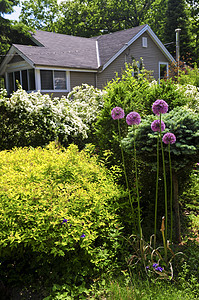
(58, 62)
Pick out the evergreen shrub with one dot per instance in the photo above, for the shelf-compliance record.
(58, 215)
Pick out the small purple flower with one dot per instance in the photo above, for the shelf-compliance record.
(155, 125)
(83, 235)
(64, 221)
(159, 107)
(159, 269)
(133, 118)
(155, 265)
(147, 267)
(117, 113)
(169, 138)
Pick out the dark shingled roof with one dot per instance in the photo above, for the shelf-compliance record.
(110, 44)
(60, 50)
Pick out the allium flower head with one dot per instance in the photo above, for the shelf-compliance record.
(155, 125)
(117, 113)
(169, 138)
(159, 107)
(133, 118)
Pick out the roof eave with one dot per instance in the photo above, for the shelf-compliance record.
(152, 35)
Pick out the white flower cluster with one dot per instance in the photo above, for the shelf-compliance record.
(191, 92)
(68, 116)
(86, 101)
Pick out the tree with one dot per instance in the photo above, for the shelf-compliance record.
(177, 17)
(193, 6)
(40, 14)
(11, 31)
(94, 17)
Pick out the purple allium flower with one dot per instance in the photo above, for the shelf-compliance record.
(117, 113)
(133, 118)
(155, 265)
(83, 235)
(64, 221)
(155, 125)
(169, 138)
(159, 107)
(159, 269)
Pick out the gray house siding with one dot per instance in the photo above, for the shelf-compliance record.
(151, 55)
(78, 78)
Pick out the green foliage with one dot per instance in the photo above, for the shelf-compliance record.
(184, 123)
(39, 189)
(167, 90)
(40, 14)
(176, 16)
(189, 76)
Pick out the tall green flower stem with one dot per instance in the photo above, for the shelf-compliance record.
(137, 189)
(165, 189)
(171, 194)
(156, 192)
(123, 162)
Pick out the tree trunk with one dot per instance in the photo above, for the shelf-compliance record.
(176, 208)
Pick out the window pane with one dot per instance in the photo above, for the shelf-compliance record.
(163, 71)
(17, 79)
(31, 74)
(10, 83)
(60, 80)
(46, 80)
(24, 80)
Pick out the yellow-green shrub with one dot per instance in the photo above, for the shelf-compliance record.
(39, 188)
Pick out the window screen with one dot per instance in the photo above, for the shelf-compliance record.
(31, 74)
(10, 83)
(46, 80)
(60, 80)
(16, 79)
(24, 80)
(163, 71)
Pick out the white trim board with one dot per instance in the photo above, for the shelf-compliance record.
(154, 38)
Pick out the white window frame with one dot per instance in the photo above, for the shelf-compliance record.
(67, 74)
(163, 63)
(144, 42)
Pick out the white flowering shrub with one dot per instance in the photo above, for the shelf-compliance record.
(34, 119)
(192, 93)
(86, 101)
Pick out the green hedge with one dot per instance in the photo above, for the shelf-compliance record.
(42, 188)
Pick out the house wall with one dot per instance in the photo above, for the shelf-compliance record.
(151, 55)
(78, 78)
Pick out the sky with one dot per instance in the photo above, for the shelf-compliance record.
(16, 13)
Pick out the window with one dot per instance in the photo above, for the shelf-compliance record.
(31, 79)
(16, 80)
(60, 80)
(163, 70)
(46, 80)
(24, 80)
(53, 80)
(144, 42)
(25, 77)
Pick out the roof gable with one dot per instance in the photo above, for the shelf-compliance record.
(130, 36)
